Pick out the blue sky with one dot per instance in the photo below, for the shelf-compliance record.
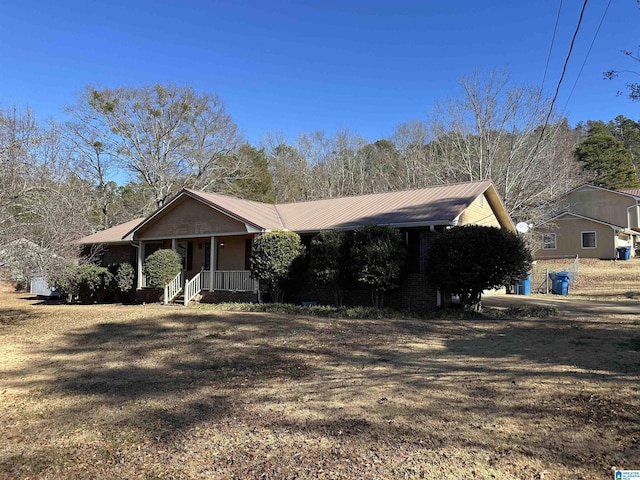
(300, 66)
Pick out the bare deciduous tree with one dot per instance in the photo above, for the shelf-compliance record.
(166, 136)
(494, 132)
(43, 206)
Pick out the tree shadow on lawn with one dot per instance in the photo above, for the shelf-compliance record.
(603, 349)
(163, 377)
(14, 316)
(198, 365)
(504, 391)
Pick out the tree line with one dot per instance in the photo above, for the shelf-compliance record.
(126, 151)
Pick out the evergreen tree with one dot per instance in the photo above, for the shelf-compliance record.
(604, 157)
(253, 179)
(628, 132)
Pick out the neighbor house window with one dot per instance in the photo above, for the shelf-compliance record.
(588, 239)
(549, 241)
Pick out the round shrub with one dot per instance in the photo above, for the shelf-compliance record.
(161, 267)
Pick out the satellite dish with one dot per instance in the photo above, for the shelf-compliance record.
(522, 227)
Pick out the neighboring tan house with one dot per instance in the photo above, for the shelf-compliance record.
(594, 223)
(213, 234)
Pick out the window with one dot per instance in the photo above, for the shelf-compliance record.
(548, 241)
(588, 239)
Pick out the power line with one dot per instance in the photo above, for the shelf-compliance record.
(564, 70)
(553, 38)
(587, 56)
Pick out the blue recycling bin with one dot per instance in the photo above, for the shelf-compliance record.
(523, 287)
(624, 253)
(560, 282)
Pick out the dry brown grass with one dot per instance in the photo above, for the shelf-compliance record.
(114, 392)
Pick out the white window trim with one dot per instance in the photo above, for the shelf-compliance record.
(595, 238)
(555, 241)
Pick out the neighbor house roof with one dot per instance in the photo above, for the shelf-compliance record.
(565, 215)
(437, 205)
(631, 191)
(634, 192)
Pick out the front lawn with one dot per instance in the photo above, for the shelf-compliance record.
(152, 392)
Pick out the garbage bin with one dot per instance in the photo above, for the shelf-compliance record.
(560, 282)
(523, 287)
(624, 253)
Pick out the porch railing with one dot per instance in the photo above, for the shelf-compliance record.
(192, 288)
(229, 280)
(173, 289)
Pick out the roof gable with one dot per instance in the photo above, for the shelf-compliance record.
(260, 215)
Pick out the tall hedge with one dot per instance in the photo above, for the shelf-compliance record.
(378, 259)
(329, 262)
(272, 258)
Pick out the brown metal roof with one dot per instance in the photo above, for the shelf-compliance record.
(440, 205)
(112, 235)
(262, 215)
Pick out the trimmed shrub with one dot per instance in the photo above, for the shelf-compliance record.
(378, 259)
(467, 260)
(161, 267)
(94, 281)
(329, 260)
(66, 280)
(123, 279)
(272, 259)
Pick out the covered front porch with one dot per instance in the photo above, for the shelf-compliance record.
(228, 255)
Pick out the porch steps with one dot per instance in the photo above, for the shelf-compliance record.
(179, 300)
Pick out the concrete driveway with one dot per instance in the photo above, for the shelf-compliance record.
(569, 305)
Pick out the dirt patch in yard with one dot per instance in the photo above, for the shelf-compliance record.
(167, 392)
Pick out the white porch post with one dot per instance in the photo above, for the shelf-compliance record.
(139, 264)
(174, 245)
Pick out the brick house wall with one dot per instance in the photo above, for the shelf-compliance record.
(414, 293)
(113, 254)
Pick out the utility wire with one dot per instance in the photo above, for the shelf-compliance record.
(564, 70)
(587, 56)
(553, 38)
